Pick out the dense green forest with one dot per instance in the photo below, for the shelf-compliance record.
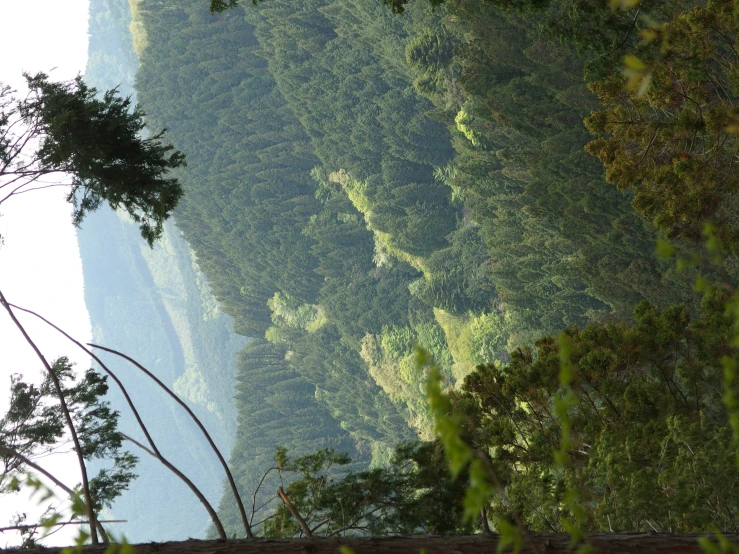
(360, 182)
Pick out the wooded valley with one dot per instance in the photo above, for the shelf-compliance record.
(361, 182)
(499, 235)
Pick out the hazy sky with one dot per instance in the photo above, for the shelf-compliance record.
(39, 262)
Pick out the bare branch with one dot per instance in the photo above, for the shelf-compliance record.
(17, 190)
(319, 524)
(10, 452)
(154, 451)
(44, 187)
(204, 501)
(256, 491)
(212, 444)
(294, 511)
(60, 524)
(104, 367)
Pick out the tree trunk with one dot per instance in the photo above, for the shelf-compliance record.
(651, 543)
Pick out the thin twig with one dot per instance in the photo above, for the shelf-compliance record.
(50, 477)
(256, 491)
(61, 524)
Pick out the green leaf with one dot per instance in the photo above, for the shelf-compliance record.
(509, 535)
(633, 62)
(644, 85)
(664, 249)
(701, 284)
(49, 522)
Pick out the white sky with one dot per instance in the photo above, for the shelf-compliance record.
(39, 263)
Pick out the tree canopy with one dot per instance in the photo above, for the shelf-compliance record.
(34, 426)
(360, 184)
(94, 145)
(649, 441)
(671, 137)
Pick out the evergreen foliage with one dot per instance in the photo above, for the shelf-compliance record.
(34, 426)
(565, 248)
(650, 444)
(248, 190)
(414, 494)
(277, 408)
(97, 142)
(674, 143)
(360, 183)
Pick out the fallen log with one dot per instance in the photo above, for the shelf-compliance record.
(607, 543)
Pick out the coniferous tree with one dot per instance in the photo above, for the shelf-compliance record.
(96, 141)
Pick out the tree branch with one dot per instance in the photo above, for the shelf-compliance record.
(67, 416)
(256, 491)
(212, 444)
(50, 477)
(204, 501)
(294, 511)
(104, 367)
(484, 520)
(61, 524)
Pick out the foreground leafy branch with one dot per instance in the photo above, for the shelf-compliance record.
(641, 438)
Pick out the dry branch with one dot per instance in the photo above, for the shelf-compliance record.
(202, 428)
(294, 511)
(204, 501)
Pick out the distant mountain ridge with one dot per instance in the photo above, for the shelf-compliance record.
(154, 305)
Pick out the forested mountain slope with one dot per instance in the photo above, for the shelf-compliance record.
(249, 198)
(359, 182)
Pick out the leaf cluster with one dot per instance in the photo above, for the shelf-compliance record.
(97, 140)
(675, 144)
(33, 426)
(414, 494)
(647, 440)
